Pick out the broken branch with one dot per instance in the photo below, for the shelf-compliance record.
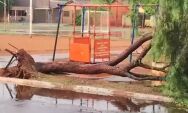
(128, 51)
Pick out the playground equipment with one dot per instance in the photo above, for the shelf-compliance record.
(93, 44)
(96, 23)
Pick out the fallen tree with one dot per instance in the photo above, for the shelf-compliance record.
(27, 67)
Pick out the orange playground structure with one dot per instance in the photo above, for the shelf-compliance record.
(93, 43)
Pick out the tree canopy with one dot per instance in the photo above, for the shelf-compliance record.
(8, 4)
(103, 1)
(148, 9)
(171, 42)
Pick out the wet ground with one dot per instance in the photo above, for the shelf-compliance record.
(38, 58)
(32, 100)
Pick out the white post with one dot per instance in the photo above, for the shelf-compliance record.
(15, 15)
(31, 17)
(8, 18)
(4, 8)
(5, 15)
(8, 12)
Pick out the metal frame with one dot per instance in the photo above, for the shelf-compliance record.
(61, 6)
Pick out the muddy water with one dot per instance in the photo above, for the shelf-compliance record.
(32, 100)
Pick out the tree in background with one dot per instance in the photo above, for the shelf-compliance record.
(148, 9)
(171, 43)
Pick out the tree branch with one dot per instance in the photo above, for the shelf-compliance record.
(145, 77)
(11, 52)
(137, 61)
(162, 69)
(127, 52)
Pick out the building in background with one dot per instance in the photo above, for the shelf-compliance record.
(119, 15)
(43, 11)
(46, 11)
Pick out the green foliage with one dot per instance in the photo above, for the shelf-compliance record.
(103, 1)
(1, 6)
(149, 10)
(171, 41)
(9, 4)
(78, 19)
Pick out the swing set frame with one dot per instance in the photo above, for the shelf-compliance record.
(84, 42)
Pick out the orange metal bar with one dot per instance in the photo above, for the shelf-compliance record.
(116, 16)
(104, 5)
(80, 40)
(96, 5)
(89, 35)
(94, 33)
(74, 29)
(109, 35)
(89, 22)
(105, 34)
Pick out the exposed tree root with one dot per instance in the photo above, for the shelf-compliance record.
(24, 69)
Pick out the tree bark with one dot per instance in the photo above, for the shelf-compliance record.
(128, 51)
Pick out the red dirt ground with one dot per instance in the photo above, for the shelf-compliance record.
(45, 44)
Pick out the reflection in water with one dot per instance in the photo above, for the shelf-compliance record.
(33, 100)
(123, 104)
(93, 101)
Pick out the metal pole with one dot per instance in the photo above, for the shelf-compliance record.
(4, 4)
(8, 9)
(31, 18)
(133, 31)
(89, 21)
(74, 21)
(57, 32)
(109, 31)
(6, 85)
(83, 21)
(94, 32)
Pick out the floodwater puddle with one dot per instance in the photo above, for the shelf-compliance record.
(36, 100)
